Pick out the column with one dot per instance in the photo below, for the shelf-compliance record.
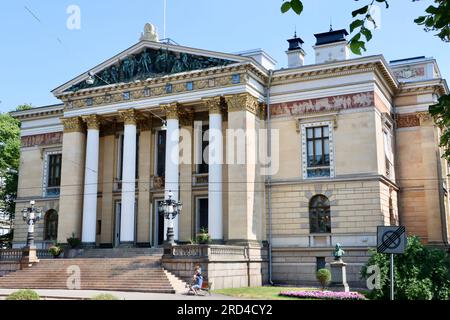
(185, 222)
(172, 158)
(127, 215)
(89, 225)
(246, 184)
(145, 160)
(215, 156)
(72, 174)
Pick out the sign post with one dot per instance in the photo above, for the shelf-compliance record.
(391, 240)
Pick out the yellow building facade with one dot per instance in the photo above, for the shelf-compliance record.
(307, 156)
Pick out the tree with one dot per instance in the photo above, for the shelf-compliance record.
(435, 19)
(9, 160)
(421, 273)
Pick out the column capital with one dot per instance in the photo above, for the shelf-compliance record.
(215, 105)
(129, 116)
(171, 110)
(73, 124)
(146, 124)
(242, 102)
(93, 121)
(186, 117)
(424, 117)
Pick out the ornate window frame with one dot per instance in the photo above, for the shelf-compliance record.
(303, 127)
(47, 154)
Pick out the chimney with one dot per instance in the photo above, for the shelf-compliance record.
(295, 53)
(331, 46)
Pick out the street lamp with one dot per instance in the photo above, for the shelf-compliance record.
(31, 216)
(170, 209)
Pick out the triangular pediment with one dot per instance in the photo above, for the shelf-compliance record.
(146, 60)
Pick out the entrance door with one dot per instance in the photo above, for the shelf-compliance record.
(117, 209)
(202, 214)
(159, 225)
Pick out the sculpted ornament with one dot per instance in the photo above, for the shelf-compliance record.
(241, 102)
(92, 121)
(74, 124)
(129, 116)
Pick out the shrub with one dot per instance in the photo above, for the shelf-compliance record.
(73, 241)
(203, 237)
(420, 273)
(324, 277)
(23, 295)
(104, 296)
(55, 250)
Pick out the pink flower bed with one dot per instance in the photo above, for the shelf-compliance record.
(324, 295)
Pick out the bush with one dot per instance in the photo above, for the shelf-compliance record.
(73, 241)
(104, 296)
(421, 273)
(324, 277)
(55, 250)
(203, 237)
(23, 295)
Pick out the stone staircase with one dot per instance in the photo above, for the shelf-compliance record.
(136, 270)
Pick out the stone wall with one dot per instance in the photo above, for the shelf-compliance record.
(224, 266)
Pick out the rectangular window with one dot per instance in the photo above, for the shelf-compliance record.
(318, 151)
(189, 86)
(168, 88)
(235, 78)
(119, 169)
(126, 95)
(54, 174)
(202, 214)
(320, 263)
(161, 153)
(203, 166)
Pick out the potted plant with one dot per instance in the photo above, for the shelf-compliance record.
(74, 246)
(203, 237)
(55, 250)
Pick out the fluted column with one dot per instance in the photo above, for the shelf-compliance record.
(127, 213)
(89, 224)
(172, 159)
(215, 205)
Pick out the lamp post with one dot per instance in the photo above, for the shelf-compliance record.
(170, 209)
(31, 216)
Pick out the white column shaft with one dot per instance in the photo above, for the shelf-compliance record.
(127, 216)
(172, 167)
(215, 177)
(90, 187)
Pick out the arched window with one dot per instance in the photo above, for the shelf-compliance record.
(319, 215)
(51, 225)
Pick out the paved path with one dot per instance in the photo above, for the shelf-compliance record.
(87, 294)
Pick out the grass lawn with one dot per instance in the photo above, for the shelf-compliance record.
(263, 293)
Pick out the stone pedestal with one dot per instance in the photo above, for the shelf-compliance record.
(29, 257)
(339, 276)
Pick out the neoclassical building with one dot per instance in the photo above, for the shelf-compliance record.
(311, 155)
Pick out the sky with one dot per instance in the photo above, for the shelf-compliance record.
(39, 52)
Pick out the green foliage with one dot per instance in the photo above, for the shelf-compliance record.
(25, 294)
(73, 241)
(104, 296)
(437, 19)
(441, 115)
(421, 273)
(203, 237)
(324, 277)
(55, 250)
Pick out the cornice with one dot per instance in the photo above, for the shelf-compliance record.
(39, 113)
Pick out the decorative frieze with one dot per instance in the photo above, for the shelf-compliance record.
(74, 124)
(129, 116)
(241, 102)
(44, 139)
(93, 121)
(407, 120)
(333, 103)
(425, 118)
